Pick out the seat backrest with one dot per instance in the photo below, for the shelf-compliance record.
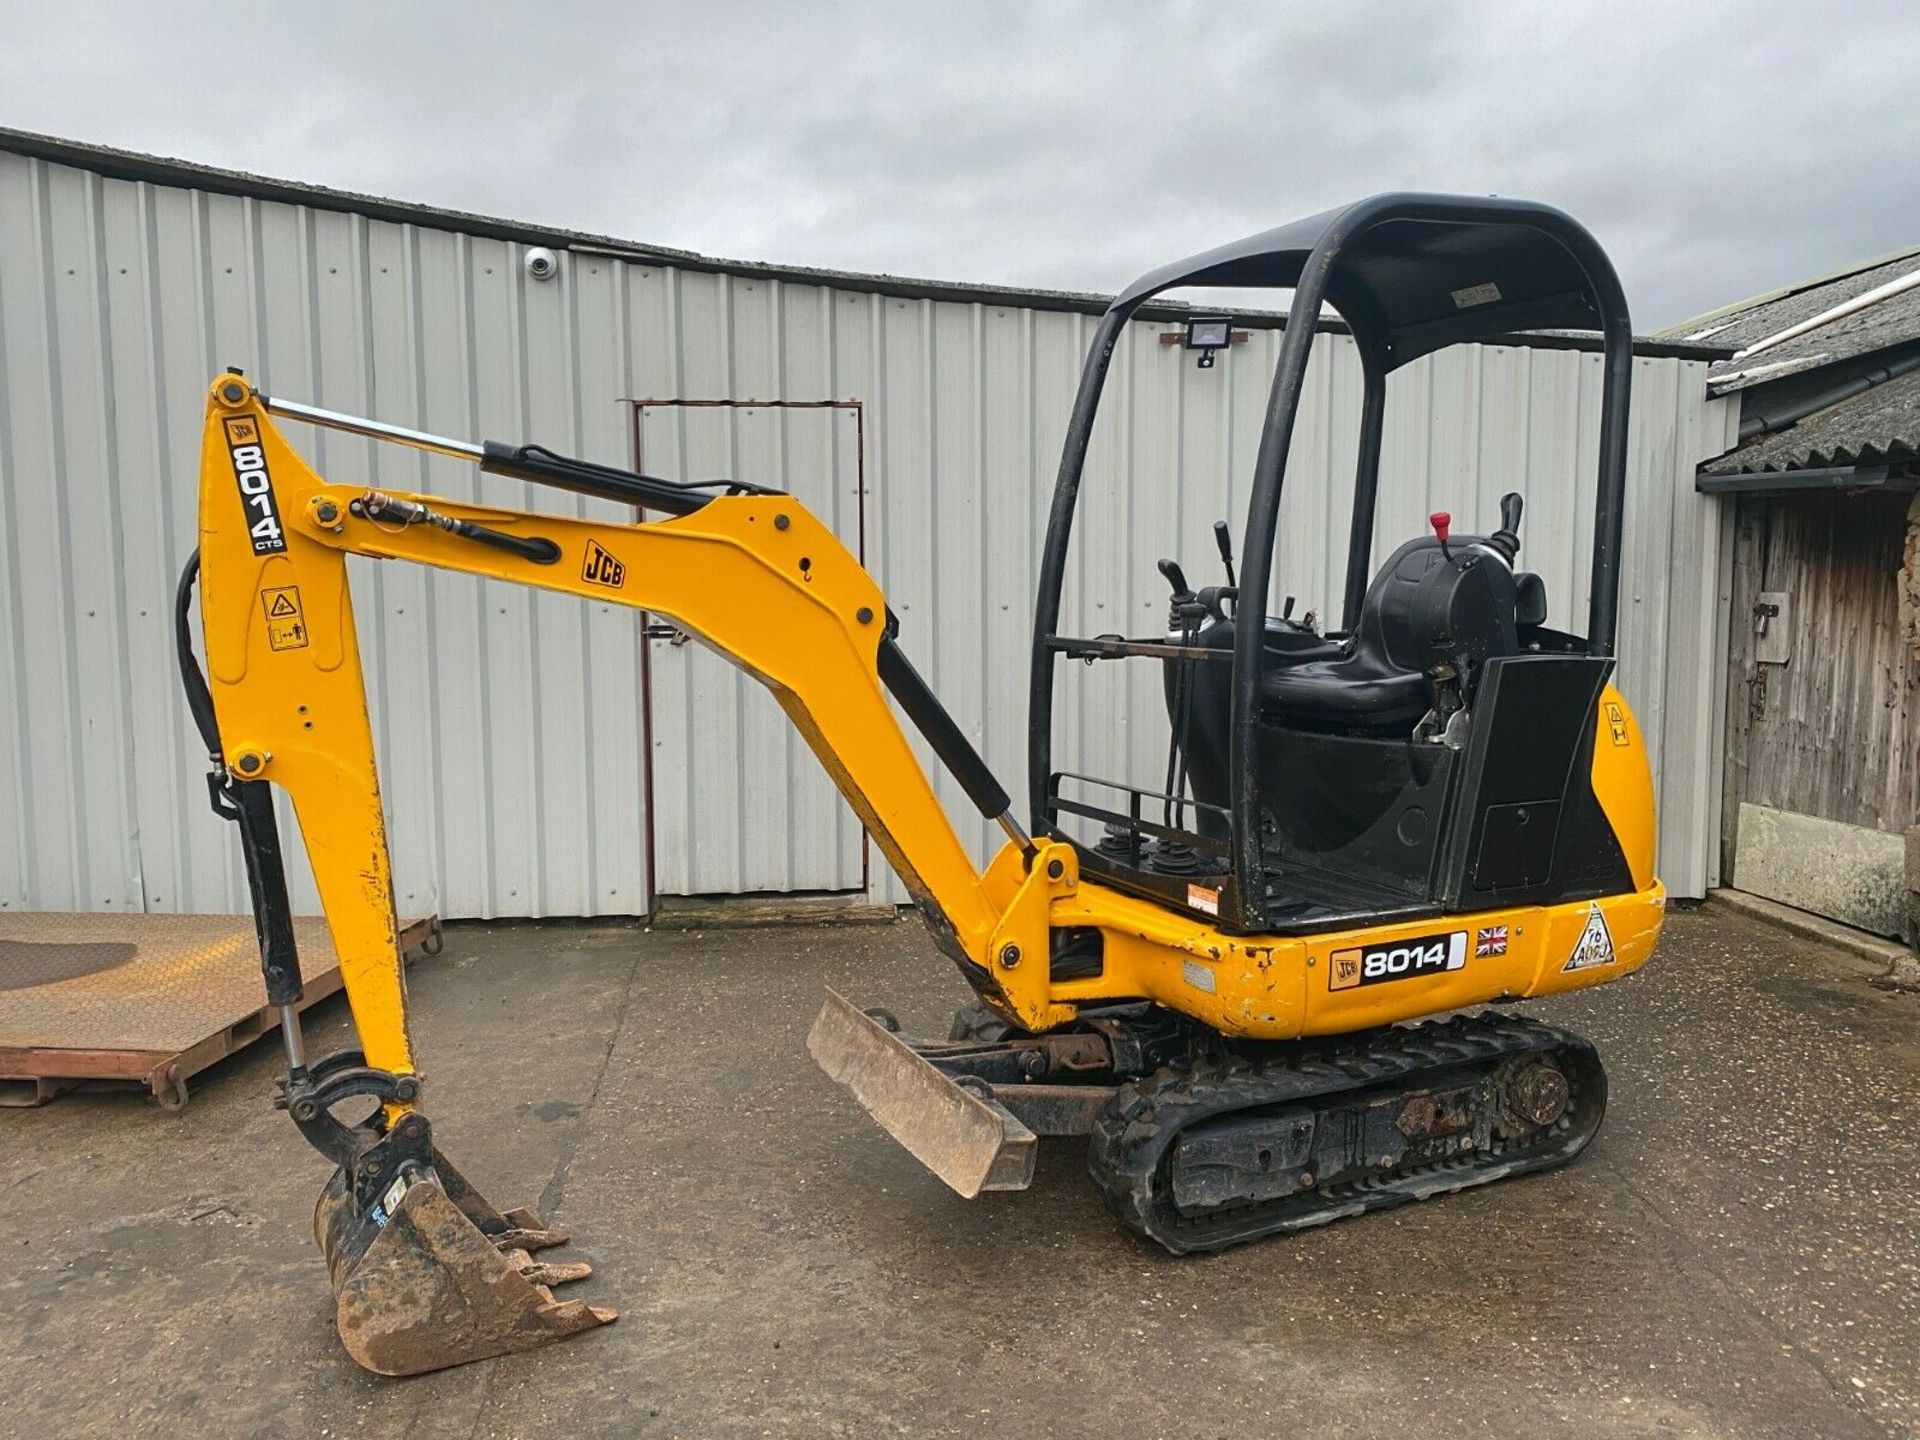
(1430, 606)
(1530, 608)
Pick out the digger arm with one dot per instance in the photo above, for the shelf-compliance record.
(754, 576)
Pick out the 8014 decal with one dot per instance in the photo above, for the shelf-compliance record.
(1397, 960)
(256, 486)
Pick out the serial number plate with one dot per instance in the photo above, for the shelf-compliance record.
(1397, 960)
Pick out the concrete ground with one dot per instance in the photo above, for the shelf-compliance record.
(1736, 1255)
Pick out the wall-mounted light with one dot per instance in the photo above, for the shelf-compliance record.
(1208, 334)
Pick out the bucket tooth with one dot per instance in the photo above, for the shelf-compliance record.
(534, 1238)
(555, 1272)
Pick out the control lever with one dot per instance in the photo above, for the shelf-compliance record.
(1185, 610)
(1507, 538)
(1214, 599)
(1442, 522)
(1223, 539)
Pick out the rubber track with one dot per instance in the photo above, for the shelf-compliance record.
(1139, 1125)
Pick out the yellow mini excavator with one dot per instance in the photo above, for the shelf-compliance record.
(1232, 987)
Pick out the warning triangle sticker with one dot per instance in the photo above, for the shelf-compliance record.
(282, 606)
(1595, 945)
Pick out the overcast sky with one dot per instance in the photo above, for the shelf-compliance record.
(1717, 150)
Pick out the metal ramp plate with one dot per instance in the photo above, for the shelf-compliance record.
(151, 999)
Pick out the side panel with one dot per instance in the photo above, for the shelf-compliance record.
(1547, 789)
(1275, 988)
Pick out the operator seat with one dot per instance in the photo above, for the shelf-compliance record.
(1463, 598)
(1436, 602)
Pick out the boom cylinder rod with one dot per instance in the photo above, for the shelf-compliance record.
(374, 429)
(525, 462)
(292, 1040)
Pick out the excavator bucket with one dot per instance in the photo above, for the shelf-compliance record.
(431, 1275)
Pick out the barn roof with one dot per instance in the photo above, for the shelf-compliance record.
(1888, 321)
(1828, 371)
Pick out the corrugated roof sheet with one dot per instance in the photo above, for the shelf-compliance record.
(1880, 426)
(1886, 322)
(1706, 323)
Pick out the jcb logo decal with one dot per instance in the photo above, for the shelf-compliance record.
(256, 487)
(601, 568)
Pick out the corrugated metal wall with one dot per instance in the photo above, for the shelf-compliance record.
(510, 722)
(513, 784)
(739, 803)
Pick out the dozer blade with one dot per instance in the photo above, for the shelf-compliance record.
(969, 1140)
(430, 1275)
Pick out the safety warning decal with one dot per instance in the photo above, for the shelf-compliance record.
(1617, 722)
(1200, 897)
(256, 488)
(1595, 945)
(601, 568)
(286, 625)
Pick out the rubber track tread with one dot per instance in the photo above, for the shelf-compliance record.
(1137, 1128)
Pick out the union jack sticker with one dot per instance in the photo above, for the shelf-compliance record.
(1490, 940)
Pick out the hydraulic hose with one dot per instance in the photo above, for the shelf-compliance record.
(249, 803)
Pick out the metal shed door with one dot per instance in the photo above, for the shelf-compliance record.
(739, 805)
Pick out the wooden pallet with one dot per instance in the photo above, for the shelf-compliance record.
(146, 999)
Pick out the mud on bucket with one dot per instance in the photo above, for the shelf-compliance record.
(427, 1274)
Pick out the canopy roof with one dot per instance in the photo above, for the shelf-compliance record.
(1413, 273)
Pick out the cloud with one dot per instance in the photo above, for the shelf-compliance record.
(1716, 149)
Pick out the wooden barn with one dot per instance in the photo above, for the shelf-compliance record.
(1819, 784)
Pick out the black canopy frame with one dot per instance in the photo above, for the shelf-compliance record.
(1410, 274)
